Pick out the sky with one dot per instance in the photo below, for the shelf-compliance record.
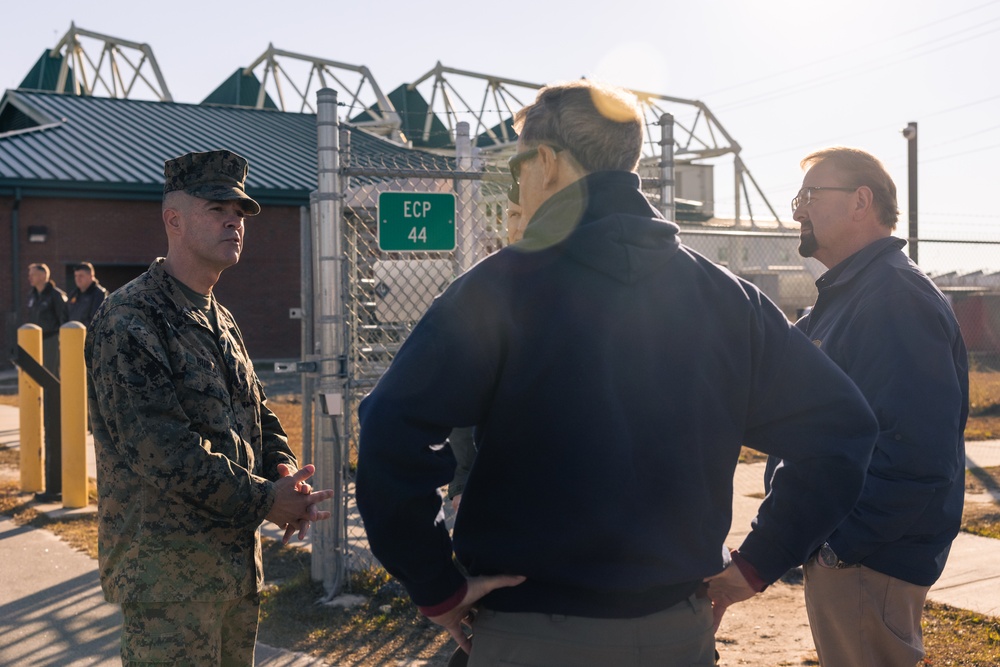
(783, 77)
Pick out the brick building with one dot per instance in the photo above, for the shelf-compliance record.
(81, 179)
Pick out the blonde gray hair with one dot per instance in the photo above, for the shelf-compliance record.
(600, 125)
(862, 169)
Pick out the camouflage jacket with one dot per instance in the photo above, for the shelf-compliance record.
(185, 447)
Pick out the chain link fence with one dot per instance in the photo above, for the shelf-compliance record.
(387, 289)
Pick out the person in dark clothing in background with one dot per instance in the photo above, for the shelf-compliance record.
(612, 375)
(47, 309)
(88, 295)
(462, 440)
(893, 332)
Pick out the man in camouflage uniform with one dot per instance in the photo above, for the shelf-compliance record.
(190, 460)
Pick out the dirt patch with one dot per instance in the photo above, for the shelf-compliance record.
(10, 457)
(767, 630)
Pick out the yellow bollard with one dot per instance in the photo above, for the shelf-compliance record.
(29, 337)
(73, 394)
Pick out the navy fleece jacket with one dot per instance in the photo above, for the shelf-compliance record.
(613, 375)
(881, 320)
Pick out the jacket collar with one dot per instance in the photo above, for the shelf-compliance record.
(594, 196)
(846, 271)
(168, 285)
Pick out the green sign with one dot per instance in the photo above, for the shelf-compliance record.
(416, 221)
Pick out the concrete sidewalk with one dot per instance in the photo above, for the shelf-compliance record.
(52, 611)
(971, 578)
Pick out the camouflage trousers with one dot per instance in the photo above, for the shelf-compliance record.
(190, 634)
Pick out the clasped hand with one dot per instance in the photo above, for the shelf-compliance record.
(295, 502)
(725, 589)
(453, 620)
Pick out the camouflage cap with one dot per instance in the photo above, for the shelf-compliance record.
(214, 175)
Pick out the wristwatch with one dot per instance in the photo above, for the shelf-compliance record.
(827, 557)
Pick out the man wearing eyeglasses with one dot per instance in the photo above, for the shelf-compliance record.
(887, 325)
(612, 375)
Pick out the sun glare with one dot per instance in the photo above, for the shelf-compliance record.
(635, 65)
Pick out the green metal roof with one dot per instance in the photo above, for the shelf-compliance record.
(240, 90)
(45, 73)
(67, 145)
(413, 111)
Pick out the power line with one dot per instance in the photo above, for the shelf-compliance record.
(961, 106)
(963, 153)
(835, 141)
(836, 57)
(882, 128)
(846, 73)
(962, 138)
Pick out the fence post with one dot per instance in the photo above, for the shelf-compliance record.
(737, 194)
(465, 252)
(307, 350)
(73, 395)
(667, 205)
(29, 338)
(910, 133)
(310, 402)
(327, 543)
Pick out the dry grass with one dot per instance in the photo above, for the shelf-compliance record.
(984, 392)
(288, 408)
(385, 629)
(982, 427)
(960, 638)
(982, 517)
(984, 406)
(79, 530)
(10, 457)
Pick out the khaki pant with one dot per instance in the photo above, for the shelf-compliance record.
(195, 634)
(679, 636)
(863, 618)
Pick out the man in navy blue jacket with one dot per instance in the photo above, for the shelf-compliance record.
(887, 325)
(612, 374)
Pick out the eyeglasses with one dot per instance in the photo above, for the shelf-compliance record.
(514, 164)
(804, 198)
(514, 193)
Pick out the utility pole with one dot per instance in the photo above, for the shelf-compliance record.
(910, 133)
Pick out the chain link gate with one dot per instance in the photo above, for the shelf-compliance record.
(387, 291)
